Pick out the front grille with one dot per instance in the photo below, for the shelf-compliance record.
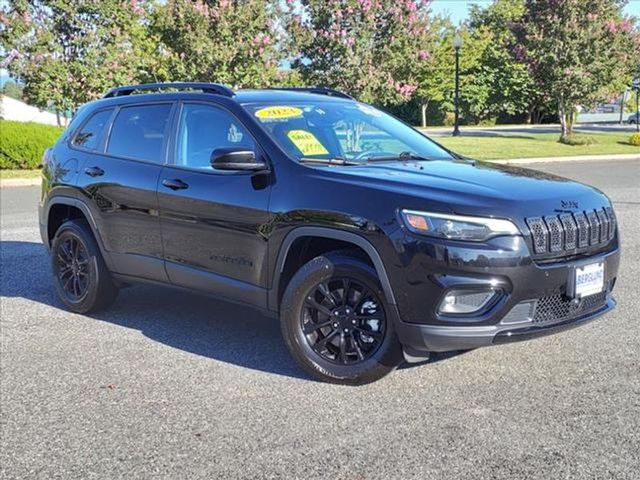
(556, 308)
(568, 233)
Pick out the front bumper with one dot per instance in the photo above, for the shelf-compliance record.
(437, 338)
(535, 297)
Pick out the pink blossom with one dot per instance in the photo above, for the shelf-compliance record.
(625, 25)
(423, 54)
(137, 9)
(612, 26)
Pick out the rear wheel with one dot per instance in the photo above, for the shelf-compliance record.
(335, 321)
(81, 277)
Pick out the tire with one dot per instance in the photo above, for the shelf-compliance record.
(371, 347)
(94, 289)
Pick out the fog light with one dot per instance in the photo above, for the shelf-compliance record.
(463, 302)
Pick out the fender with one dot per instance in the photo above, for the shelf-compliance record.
(84, 208)
(334, 234)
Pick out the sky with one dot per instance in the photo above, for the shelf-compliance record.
(458, 9)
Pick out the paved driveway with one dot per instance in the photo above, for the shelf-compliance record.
(171, 385)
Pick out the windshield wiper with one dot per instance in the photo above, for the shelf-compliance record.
(329, 161)
(400, 156)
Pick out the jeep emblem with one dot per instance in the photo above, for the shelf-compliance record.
(568, 204)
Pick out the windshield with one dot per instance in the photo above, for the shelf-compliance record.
(353, 132)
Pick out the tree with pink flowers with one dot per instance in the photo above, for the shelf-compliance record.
(228, 41)
(373, 49)
(579, 52)
(67, 53)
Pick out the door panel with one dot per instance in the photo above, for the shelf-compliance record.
(215, 224)
(126, 204)
(122, 184)
(213, 221)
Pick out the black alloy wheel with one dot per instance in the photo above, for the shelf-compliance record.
(81, 277)
(73, 268)
(336, 320)
(343, 321)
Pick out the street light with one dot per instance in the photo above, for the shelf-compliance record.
(457, 43)
(636, 87)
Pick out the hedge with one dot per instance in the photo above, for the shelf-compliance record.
(23, 143)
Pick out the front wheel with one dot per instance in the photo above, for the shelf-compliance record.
(335, 321)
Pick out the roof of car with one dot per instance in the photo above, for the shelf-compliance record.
(275, 95)
(284, 94)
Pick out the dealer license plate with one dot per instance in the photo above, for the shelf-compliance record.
(589, 280)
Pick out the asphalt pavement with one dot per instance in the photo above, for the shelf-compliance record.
(168, 384)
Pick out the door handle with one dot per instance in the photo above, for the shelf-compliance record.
(175, 184)
(94, 171)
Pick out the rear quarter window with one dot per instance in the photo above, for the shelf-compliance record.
(89, 135)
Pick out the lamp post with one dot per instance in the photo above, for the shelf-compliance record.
(457, 43)
(636, 87)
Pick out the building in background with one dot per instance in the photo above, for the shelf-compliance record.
(12, 109)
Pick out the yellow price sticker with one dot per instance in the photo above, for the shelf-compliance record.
(307, 142)
(276, 112)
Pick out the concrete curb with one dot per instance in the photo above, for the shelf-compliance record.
(20, 182)
(578, 158)
(32, 182)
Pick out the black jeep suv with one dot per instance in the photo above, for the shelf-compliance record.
(368, 239)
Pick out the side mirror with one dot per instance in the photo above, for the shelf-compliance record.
(234, 158)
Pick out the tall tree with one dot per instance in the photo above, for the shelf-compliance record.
(577, 51)
(67, 53)
(373, 49)
(500, 77)
(228, 41)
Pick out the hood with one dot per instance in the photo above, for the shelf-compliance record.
(478, 188)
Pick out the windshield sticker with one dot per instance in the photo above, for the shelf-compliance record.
(281, 111)
(307, 142)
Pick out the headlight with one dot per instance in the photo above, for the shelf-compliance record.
(457, 227)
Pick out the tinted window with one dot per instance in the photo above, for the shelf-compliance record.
(89, 135)
(138, 132)
(203, 128)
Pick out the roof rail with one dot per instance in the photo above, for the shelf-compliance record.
(215, 88)
(319, 91)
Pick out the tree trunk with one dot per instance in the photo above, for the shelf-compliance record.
(424, 113)
(562, 114)
(58, 121)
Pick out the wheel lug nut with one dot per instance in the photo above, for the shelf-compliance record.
(335, 325)
(346, 330)
(353, 321)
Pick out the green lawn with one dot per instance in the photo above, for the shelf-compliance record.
(524, 145)
(20, 173)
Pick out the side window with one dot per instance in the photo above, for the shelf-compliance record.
(138, 132)
(89, 135)
(203, 128)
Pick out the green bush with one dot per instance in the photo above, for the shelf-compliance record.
(23, 143)
(635, 139)
(577, 140)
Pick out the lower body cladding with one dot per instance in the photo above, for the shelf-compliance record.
(513, 303)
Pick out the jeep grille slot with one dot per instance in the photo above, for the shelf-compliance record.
(539, 234)
(571, 233)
